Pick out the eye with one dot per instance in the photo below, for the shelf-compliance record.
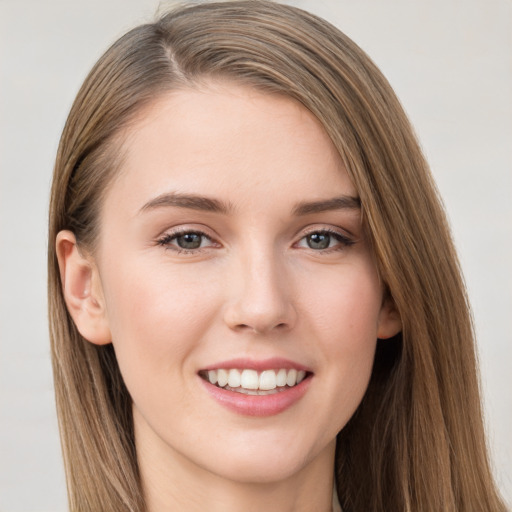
(325, 239)
(186, 241)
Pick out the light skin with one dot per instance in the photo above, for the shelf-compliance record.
(280, 268)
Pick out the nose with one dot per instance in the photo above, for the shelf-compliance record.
(259, 296)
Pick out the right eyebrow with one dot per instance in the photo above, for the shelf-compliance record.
(190, 201)
(335, 203)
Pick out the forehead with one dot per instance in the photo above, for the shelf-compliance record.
(232, 142)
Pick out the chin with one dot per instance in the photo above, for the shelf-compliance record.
(261, 462)
(268, 470)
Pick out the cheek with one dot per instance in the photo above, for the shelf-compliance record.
(344, 305)
(344, 323)
(158, 316)
(156, 312)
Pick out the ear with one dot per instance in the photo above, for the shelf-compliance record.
(390, 323)
(81, 286)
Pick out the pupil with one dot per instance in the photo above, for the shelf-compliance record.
(319, 240)
(189, 241)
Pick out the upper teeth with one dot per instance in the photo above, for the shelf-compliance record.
(252, 380)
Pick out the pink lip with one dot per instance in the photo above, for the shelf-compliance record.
(274, 363)
(257, 405)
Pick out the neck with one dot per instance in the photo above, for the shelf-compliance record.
(173, 483)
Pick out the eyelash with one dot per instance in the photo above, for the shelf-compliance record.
(344, 241)
(166, 241)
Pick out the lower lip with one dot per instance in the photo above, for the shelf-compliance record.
(258, 405)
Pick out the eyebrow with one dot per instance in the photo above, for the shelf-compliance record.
(336, 203)
(190, 201)
(209, 204)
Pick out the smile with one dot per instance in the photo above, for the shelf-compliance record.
(256, 387)
(252, 382)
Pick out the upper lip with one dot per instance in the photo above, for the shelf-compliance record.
(260, 365)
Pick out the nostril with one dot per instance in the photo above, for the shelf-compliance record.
(257, 316)
(264, 329)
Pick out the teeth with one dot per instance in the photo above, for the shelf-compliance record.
(234, 379)
(268, 380)
(222, 378)
(291, 378)
(249, 379)
(281, 377)
(250, 382)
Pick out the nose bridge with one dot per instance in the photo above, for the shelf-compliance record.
(260, 300)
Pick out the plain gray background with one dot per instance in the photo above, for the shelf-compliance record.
(450, 63)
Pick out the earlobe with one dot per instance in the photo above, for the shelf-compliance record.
(390, 323)
(82, 290)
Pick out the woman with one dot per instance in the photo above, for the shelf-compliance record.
(254, 296)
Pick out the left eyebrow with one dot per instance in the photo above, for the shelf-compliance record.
(189, 201)
(336, 203)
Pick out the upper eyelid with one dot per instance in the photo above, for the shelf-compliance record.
(179, 230)
(318, 228)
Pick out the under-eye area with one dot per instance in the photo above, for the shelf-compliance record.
(252, 382)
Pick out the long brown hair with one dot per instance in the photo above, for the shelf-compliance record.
(417, 440)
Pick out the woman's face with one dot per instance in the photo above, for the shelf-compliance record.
(231, 247)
